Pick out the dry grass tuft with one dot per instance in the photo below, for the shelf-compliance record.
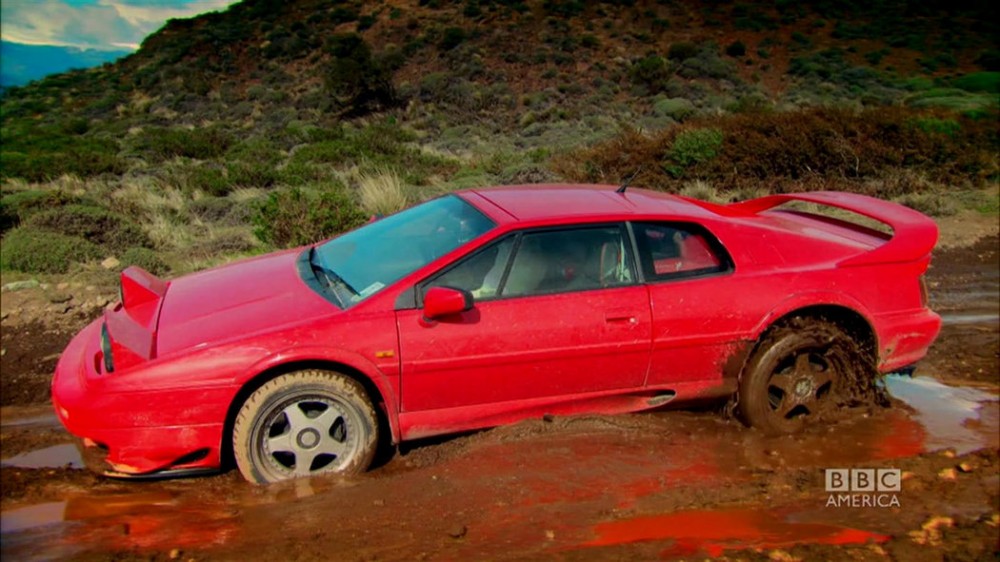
(381, 192)
(703, 191)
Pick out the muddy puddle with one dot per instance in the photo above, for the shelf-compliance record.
(570, 487)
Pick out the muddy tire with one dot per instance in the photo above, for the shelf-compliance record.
(802, 370)
(302, 424)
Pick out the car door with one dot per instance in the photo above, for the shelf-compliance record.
(556, 312)
(696, 311)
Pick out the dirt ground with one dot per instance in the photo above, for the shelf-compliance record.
(668, 485)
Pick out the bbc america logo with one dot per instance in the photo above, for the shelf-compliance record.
(863, 487)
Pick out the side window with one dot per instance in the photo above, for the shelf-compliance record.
(676, 250)
(579, 259)
(480, 273)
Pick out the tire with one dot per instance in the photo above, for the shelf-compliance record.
(303, 424)
(800, 371)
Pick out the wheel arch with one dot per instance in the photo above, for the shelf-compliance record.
(848, 319)
(383, 400)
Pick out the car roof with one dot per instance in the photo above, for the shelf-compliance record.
(560, 201)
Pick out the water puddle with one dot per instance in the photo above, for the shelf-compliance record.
(962, 418)
(954, 319)
(41, 420)
(713, 532)
(32, 516)
(56, 456)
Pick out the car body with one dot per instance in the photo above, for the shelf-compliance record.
(488, 306)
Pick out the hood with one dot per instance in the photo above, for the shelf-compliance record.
(240, 298)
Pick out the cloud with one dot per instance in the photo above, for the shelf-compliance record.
(93, 24)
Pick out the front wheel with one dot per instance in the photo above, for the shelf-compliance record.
(303, 424)
(800, 371)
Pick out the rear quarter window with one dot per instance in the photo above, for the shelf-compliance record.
(677, 251)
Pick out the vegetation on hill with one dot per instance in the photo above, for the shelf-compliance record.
(277, 122)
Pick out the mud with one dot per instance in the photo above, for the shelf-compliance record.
(662, 486)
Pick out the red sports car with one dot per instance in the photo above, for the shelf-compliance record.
(488, 306)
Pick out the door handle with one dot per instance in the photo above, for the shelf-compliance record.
(619, 318)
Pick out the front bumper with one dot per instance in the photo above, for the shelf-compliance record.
(130, 431)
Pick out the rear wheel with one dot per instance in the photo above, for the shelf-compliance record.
(800, 371)
(303, 424)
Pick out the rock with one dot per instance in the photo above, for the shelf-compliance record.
(907, 474)
(20, 285)
(62, 286)
(175, 554)
(782, 556)
(457, 531)
(948, 453)
(60, 298)
(378, 503)
(930, 531)
(110, 262)
(550, 534)
(965, 467)
(948, 474)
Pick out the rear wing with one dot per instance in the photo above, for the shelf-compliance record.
(913, 233)
(132, 324)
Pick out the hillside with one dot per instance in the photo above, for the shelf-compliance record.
(222, 128)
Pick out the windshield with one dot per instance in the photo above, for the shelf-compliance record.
(359, 263)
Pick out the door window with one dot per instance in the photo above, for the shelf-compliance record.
(545, 262)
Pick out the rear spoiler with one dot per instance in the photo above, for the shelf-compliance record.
(132, 324)
(913, 234)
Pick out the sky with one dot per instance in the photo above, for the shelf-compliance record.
(93, 24)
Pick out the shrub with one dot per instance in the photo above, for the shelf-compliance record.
(358, 82)
(95, 224)
(18, 206)
(144, 258)
(32, 250)
(651, 71)
(736, 49)
(979, 82)
(677, 109)
(682, 51)
(292, 217)
(161, 143)
(453, 37)
(691, 147)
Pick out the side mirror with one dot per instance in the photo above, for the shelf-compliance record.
(445, 301)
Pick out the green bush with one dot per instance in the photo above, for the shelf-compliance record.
(33, 250)
(95, 224)
(934, 125)
(736, 49)
(17, 206)
(677, 109)
(358, 82)
(144, 258)
(979, 82)
(160, 143)
(691, 147)
(682, 51)
(652, 71)
(453, 37)
(293, 217)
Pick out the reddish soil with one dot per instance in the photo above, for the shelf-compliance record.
(655, 486)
